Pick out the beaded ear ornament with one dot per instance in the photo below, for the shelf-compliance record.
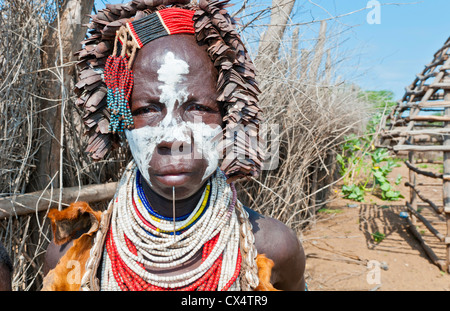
(132, 36)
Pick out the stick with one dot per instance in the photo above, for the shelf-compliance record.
(420, 148)
(425, 222)
(431, 203)
(446, 186)
(61, 138)
(425, 247)
(23, 204)
(425, 173)
(173, 211)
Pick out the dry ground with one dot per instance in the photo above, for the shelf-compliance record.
(343, 256)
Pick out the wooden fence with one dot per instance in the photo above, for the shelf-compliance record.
(420, 124)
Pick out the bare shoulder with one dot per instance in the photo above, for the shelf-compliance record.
(280, 243)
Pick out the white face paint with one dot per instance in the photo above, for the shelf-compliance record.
(171, 74)
(143, 141)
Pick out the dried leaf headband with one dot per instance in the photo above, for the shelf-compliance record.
(106, 79)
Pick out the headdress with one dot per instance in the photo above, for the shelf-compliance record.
(106, 80)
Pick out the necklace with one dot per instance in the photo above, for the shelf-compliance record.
(156, 221)
(143, 200)
(138, 239)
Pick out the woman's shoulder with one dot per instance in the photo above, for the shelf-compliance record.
(280, 244)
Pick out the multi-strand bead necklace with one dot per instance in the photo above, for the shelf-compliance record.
(161, 223)
(138, 239)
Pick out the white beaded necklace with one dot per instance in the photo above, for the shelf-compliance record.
(160, 249)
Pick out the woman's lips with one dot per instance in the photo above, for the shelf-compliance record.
(173, 179)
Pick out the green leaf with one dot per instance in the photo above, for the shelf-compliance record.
(347, 188)
(378, 236)
(391, 194)
(378, 174)
(381, 180)
(385, 187)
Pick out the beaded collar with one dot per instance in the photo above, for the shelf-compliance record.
(223, 235)
(143, 200)
(129, 247)
(139, 200)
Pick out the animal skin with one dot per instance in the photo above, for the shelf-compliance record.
(67, 274)
(265, 266)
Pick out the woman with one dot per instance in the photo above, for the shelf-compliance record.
(181, 88)
(6, 269)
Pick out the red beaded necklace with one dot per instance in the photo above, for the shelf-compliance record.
(128, 280)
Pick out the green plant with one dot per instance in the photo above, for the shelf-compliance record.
(378, 236)
(356, 152)
(398, 180)
(349, 160)
(380, 174)
(353, 192)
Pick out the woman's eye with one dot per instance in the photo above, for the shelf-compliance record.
(198, 107)
(147, 109)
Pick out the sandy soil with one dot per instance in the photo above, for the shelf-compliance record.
(343, 256)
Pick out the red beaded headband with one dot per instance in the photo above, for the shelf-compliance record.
(166, 22)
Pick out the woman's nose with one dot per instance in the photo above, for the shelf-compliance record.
(174, 147)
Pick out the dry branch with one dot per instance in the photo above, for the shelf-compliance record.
(431, 254)
(41, 200)
(427, 224)
(273, 36)
(437, 209)
(313, 112)
(28, 106)
(425, 173)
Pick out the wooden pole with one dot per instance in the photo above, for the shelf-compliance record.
(427, 224)
(272, 37)
(446, 186)
(42, 200)
(421, 148)
(412, 182)
(437, 209)
(59, 42)
(430, 253)
(425, 173)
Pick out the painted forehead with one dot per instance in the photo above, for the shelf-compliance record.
(183, 48)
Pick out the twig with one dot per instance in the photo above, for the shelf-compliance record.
(61, 139)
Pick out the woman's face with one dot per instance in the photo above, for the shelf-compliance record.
(176, 115)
